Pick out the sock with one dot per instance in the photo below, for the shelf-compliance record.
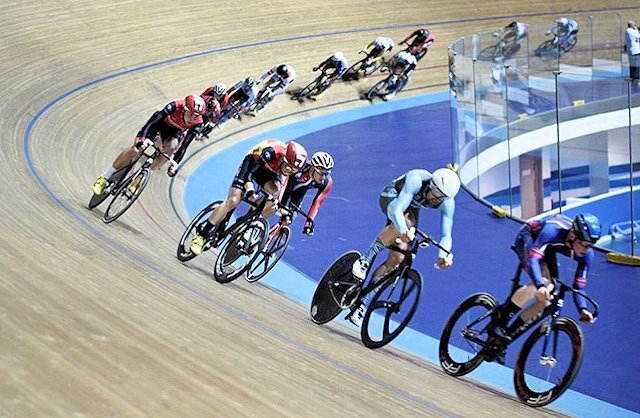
(375, 247)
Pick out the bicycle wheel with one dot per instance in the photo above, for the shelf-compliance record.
(335, 289)
(465, 333)
(277, 242)
(114, 180)
(489, 53)
(395, 302)
(184, 252)
(547, 49)
(353, 72)
(124, 197)
(570, 44)
(547, 364)
(378, 89)
(306, 91)
(238, 252)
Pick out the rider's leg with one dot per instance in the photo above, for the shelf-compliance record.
(169, 147)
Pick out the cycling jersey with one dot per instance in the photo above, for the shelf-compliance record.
(276, 79)
(542, 240)
(409, 192)
(262, 164)
(299, 183)
(169, 122)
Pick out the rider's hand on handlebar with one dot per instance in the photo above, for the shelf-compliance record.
(308, 229)
(443, 263)
(409, 235)
(586, 317)
(543, 294)
(249, 189)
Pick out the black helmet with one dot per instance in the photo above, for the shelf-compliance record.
(283, 71)
(587, 228)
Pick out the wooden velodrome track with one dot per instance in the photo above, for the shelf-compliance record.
(102, 320)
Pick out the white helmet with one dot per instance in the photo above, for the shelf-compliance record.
(563, 21)
(447, 181)
(322, 160)
(338, 56)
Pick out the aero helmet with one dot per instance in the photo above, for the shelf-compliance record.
(295, 156)
(587, 228)
(219, 89)
(195, 104)
(283, 71)
(447, 181)
(322, 160)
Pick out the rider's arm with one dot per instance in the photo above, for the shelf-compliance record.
(398, 206)
(320, 197)
(154, 119)
(580, 279)
(447, 208)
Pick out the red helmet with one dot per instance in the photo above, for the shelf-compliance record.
(195, 104)
(295, 156)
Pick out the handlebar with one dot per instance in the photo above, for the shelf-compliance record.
(156, 150)
(589, 299)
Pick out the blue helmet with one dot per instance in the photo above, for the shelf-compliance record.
(587, 228)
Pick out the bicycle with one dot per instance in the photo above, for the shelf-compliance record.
(386, 86)
(420, 50)
(366, 66)
(240, 242)
(504, 48)
(277, 243)
(263, 98)
(395, 295)
(549, 359)
(126, 188)
(553, 48)
(314, 88)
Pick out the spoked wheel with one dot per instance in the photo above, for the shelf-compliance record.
(394, 303)
(184, 252)
(238, 253)
(490, 52)
(379, 89)
(277, 243)
(570, 44)
(126, 195)
(353, 72)
(547, 364)
(305, 92)
(465, 334)
(336, 290)
(547, 49)
(114, 180)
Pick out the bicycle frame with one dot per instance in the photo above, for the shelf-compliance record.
(224, 229)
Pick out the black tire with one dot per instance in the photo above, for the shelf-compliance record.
(353, 72)
(336, 283)
(380, 86)
(464, 333)
(538, 379)
(569, 46)
(490, 53)
(395, 301)
(272, 253)
(547, 49)
(236, 255)
(306, 91)
(183, 252)
(421, 54)
(123, 198)
(114, 180)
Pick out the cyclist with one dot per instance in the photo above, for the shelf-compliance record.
(564, 29)
(334, 67)
(401, 201)
(537, 244)
(241, 96)
(277, 79)
(514, 32)
(215, 98)
(179, 119)
(422, 38)
(401, 67)
(315, 174)
(266, 164)
(380, 46)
